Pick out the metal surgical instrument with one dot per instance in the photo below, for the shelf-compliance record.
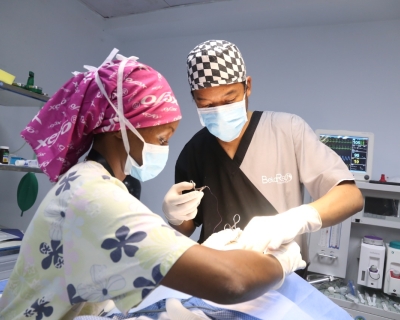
(236, 219)
(197, 189)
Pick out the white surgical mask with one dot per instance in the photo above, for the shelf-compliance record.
(225, 122)
(154, 157)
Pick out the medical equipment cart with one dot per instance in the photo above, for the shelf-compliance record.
(336, 252)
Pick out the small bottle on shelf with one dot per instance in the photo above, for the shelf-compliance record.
(4, 155)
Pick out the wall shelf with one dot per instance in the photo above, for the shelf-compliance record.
(377, 186)
(11, 167)
(31, 95)
(23, 92)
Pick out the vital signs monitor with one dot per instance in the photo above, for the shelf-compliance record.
(355, 149)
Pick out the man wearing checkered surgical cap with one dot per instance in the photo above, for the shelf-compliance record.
(255, 163)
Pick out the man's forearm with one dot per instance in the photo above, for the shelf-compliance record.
(338, 204)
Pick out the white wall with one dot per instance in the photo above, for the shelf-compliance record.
(51, 38)
(335, 77)
(344, 76)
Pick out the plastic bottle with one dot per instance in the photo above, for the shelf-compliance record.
(4, 155)
(368, 299)
(27, 163)
(331, 290)
(361, 297)
(343, 290)
(351, 297)
(374, 300)
(351, 287)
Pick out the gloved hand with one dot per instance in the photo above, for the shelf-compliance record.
(224, 240)
(270, 232)
(180, 207)
(290, 259)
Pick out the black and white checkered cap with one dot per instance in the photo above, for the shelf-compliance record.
(214, 63)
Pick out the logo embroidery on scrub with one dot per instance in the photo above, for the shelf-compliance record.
(279, 178)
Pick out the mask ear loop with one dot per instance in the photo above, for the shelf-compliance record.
(121, 118)
(121, 67)
(120, 111)
(121, 107)
(119, 89)
(125, 123)
(94, 69)
(119, 99)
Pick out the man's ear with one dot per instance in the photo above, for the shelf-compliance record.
(248, 88)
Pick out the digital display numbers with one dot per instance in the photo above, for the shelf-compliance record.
(352, 150)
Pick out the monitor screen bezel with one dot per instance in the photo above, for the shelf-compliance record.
(360, 176)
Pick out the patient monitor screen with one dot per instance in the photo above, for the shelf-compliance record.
(352, 150)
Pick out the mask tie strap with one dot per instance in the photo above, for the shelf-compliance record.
(94, 69)
(120, 105)
(119, 110)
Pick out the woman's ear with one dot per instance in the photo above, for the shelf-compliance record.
(118, 134)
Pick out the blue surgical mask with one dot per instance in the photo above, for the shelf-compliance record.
(226, 121)
(154, 157)
(154, 160)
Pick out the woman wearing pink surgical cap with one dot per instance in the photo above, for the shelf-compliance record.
(90, 240)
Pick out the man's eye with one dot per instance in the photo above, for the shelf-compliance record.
(163, 141)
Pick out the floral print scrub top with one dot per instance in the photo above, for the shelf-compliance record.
(89, 241)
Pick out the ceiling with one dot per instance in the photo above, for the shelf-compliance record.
(199, 17)
(120, 8)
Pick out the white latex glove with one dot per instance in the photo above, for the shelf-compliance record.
(176, 311)
(180, 207)
(270, 232)
(290, 259)
(224, 240)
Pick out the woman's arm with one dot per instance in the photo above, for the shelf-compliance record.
(187, 227)
(225, 277)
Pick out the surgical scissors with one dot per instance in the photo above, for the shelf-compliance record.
(236, 220)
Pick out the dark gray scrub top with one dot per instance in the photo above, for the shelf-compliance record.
(278, 155)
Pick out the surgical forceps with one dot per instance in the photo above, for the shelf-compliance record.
(197, 189)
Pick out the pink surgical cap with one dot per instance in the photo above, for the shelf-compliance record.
(63, 129)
